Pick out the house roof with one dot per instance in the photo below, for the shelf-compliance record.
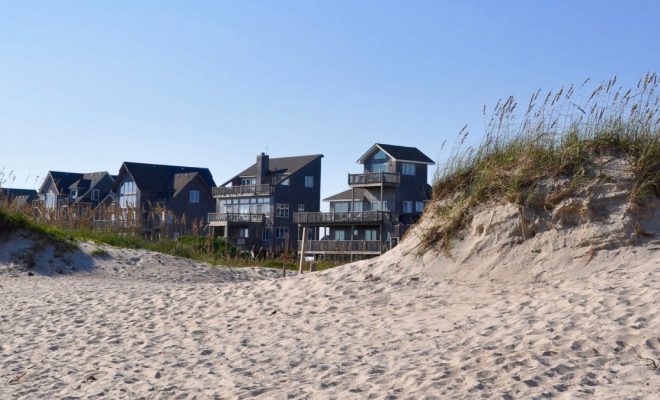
(346, 195)
(279, 166)
(64, 179)
(161, 178)
(399, 153)
(182, 180)
(27, 194)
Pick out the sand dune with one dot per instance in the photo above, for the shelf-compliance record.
(386, 328)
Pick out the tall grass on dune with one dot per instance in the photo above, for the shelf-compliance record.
(560, 134)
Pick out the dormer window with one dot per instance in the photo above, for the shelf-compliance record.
(74, 194)
(96, 194)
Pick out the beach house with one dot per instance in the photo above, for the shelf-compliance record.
(154, 196)
(382, 202)
(254, 209)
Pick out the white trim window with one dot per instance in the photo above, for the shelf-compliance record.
(282, 210)
(407, 207)
(243, 233)
(309, 181)
(128, 193)
(96, 194)
(281, 232)
(408, 169)
(265, 234)
(419, 207)
(193, 197)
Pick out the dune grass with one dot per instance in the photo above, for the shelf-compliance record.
(560, 135)
(13, 222)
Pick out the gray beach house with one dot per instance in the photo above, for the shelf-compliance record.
(254, 209)
(154, 196)
(383, 201)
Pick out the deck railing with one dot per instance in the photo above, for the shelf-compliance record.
(343, 246)
(245, 190)
(374, 178)
(122, 224)
(338, 217)
(231, 217)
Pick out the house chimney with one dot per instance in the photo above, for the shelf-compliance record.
(262, 168)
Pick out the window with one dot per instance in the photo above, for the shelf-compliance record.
(51, 200)
(265, 234)
(281, 210)
(243, 233)
(376, 206)
(357, 206)
(74, 194)
(309, 181)
(281, 232)
(340, 206)
(419, 206)
(127, 193)
(301, 208)
(96, 194)
(407, 207)
(340, 235)
(370, 234)
(408, 169)
(285, 182)
(248, 181)
(194, 196)
(378, 162)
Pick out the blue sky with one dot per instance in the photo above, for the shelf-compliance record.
(86, 85)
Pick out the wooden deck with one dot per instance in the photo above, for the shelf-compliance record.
(217, 219)
(345, 247)
(340, 218)
(374, 179)
(243, 191)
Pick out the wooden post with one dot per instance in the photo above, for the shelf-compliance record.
(302, 250)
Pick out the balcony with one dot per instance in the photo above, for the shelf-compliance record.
(340, 218)
(343, 247)
(244, 191)
(374, 179)
(224, 218)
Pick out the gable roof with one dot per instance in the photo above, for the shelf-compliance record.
(346, 195)
(279, 166)
(62, 180)
(161, 178)
(399, 153)
(182, 180)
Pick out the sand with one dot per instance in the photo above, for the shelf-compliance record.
(143, 325)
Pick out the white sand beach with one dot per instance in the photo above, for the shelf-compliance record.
(142, 325)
